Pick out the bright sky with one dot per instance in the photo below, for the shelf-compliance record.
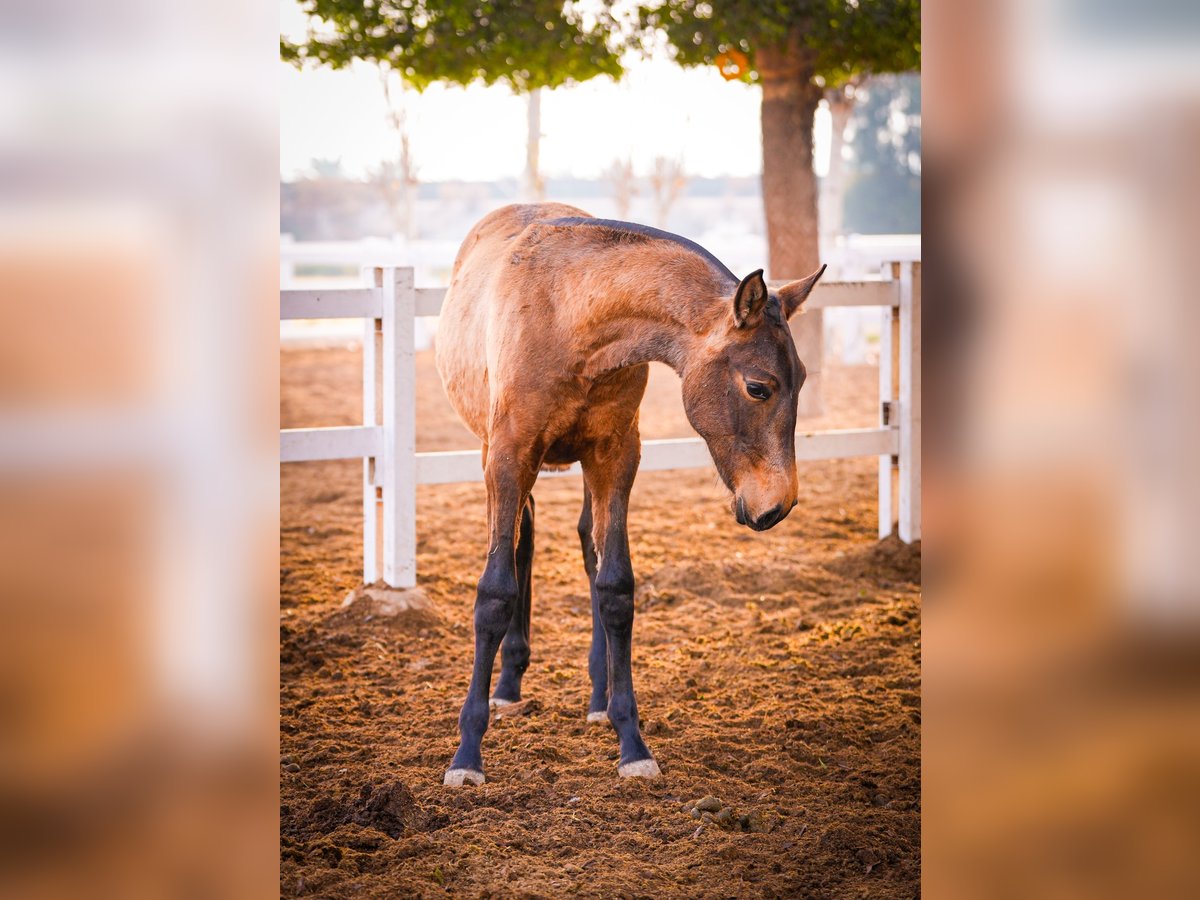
(478, 133)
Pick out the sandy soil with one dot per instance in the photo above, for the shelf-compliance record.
(776, 672)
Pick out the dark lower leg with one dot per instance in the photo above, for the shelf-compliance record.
(612, 599)
(613, 596)
(609, 474)
(598, 663)
(598, 655)
(515, 649)
(495, 601)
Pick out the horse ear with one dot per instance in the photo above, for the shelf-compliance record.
(792, 294)
(750, 299)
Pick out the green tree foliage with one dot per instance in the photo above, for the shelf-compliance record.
(841, 38)
(797, 50)
(884, 196)
(526, 44)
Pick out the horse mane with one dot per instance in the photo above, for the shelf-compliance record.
(632, 231)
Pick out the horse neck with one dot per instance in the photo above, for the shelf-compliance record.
(655, 310)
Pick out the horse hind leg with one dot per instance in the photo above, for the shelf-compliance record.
(508, 487)
(514, 652)
(598, 655)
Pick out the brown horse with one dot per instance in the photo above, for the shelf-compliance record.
(548, 327)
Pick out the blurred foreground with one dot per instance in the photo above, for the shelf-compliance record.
(1062, 722)
(138, 498)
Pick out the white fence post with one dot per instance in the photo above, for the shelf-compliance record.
(910, 402)
(372, 336)
(887, 411)
(399, 428)
(287, 267)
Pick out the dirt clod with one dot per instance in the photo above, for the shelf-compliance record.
(762, 821)
(516, 710)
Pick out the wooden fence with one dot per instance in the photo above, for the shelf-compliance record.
(386, 441)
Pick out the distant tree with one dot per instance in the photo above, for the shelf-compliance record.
(884, 194)
(525, 44)
(796, 50)
(397, 191)
(396, 178)
(667, 181)
(326, 168)
(621, 179)
(325, 207)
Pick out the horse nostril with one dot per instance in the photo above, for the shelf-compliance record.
(769, 518)
(740, 511)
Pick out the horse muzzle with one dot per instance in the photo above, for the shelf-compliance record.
(761, 521)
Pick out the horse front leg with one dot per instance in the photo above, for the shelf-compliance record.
(609, 475)
(509, 481)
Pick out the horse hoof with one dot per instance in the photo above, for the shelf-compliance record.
(600, 716)
(642, 768)
(459, 777)
(500, 701)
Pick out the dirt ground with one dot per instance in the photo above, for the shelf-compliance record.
(777, 672)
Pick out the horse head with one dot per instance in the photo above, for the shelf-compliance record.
(740, 392)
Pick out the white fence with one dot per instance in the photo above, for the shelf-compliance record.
(386, 441)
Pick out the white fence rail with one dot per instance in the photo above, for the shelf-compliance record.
(392, 468)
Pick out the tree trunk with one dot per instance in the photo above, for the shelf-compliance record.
(534, 189)
(789, 185)
(408, 172)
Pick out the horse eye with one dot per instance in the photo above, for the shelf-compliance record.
(757, 390)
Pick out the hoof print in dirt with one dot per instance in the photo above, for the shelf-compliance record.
(459, 777)
(390, 809)
(358, 823)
